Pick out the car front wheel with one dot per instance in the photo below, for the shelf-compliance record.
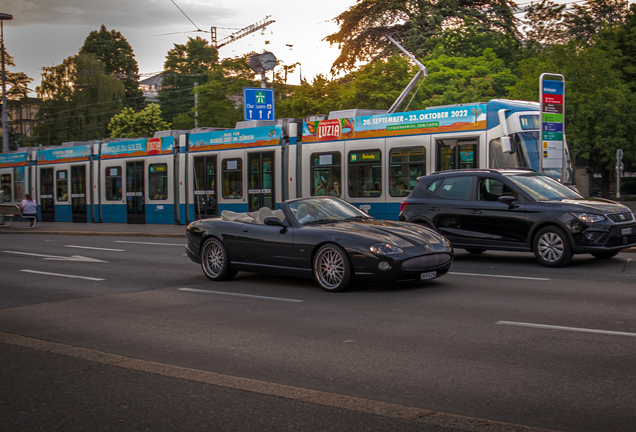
(215, 261)
(552, 247)
(332, 269)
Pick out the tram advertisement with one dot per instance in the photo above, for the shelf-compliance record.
(237, 138)
(462, 118)
(64, 155)
(135, 148)
(13, 160)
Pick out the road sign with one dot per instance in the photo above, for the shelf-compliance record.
(552, 88)
(258, 104)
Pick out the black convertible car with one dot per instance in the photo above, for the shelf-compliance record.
(322, 237)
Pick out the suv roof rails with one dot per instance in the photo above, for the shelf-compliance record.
(492, 170)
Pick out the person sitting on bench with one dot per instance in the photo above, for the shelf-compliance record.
(29, 208)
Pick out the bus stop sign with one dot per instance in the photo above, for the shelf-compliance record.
(258, 104)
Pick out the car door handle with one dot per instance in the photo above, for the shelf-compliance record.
(434, 208)
(245, 230)
(475, 212)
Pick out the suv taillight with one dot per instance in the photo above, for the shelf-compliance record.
(403, 205)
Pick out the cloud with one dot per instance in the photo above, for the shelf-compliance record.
(116, 13)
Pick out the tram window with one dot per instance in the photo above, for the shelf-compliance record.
(457, 153)
(113, 184)
(61, 185)
(5, 185)
(158, 181)
(232, 174)
(365, 173)
(405, 166)
(18, 183)
(325, 174)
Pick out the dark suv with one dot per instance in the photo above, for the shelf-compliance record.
(519, 210)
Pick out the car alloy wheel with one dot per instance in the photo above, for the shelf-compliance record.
(552, 247)
(215, 261)
(331, 268)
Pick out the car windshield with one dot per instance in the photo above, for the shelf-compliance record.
(325, 210)
(543, 188)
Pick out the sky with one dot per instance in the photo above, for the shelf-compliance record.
(45, 32)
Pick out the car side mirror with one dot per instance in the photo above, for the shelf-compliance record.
(273, 220)
(508, 199)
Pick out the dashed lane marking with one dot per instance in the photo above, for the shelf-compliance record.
(62, 275)
(241, 295)
(423, 416)
(498, 276)
(95, 248)
(150, 243)
(573, 329)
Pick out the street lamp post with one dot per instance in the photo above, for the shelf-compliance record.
(5, 132)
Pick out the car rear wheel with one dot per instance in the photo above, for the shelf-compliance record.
(552, 247)
(475, 251)
(605, 255)
(332, 269)
(215, 261)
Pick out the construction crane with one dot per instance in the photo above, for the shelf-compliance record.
(240, 33)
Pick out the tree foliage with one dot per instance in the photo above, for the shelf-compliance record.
(17, 82)
(113, 50)
(420, 24)
(78, 101)
(131, 124)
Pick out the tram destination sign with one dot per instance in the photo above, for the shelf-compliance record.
(552, 88)
(258, 104)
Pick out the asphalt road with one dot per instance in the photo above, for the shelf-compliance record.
(501, 338)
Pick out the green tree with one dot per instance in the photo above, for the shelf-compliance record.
(598, 103)
(116, 54)
(78, 101)
(131, 124)
(585, 21)
(17, 82)
(185, 64)
(319, 97)
(420, 24)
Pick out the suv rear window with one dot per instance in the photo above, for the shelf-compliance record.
(455, 188)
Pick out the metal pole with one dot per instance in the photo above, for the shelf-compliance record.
(5, 133)
(196, 106)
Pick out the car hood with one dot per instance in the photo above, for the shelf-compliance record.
(594, 205)
(401, 234)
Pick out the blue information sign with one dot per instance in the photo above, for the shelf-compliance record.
(258, 103)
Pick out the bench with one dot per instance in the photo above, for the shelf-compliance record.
(12, 211)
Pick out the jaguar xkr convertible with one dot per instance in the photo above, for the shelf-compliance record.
(322, 237)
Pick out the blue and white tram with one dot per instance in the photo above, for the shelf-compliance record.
(137, 181)
(64, 184)
(15, 176)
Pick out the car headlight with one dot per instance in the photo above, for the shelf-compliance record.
(445, 242)
(385, 249)
(589, 217)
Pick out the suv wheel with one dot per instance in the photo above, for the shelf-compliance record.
(552, 247)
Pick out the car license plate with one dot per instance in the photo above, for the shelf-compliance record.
(429, 275)
(626, 231)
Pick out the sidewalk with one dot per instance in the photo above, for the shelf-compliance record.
(97, 229)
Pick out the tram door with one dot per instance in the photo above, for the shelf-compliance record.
(46, 195)
(205, 204)
(135, 200)
(261, 181)
(78, 193)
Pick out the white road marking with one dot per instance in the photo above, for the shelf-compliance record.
(241, 295)
(575, 329)
(62, 275)
(59, 258)
(96, 248)
(499, 276)
(149, 243)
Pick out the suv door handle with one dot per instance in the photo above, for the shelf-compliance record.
(434, 208)
(475, 212)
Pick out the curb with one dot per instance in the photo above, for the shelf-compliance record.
(97, 234)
